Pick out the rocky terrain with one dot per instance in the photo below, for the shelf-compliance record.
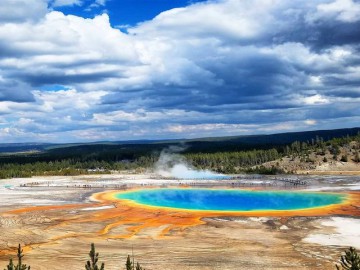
(326, 160)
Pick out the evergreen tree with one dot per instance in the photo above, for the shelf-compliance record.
(349, 261)
(20, 265)
(129, 264)
(94, 257)
(10, 266)
(138, 267)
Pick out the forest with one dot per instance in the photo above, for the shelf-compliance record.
(224, 156)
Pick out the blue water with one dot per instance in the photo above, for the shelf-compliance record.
(231, 200)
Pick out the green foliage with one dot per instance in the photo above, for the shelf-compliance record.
(231, 162)
(10, 266)
(94, 257)
(224, 155)
(264, 170)
(138, 267)
(20, 265)
(129, 264)
(349, 261)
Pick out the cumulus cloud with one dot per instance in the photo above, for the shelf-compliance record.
(212, 67)
(342, 10)
(65, 50)
(18, 11)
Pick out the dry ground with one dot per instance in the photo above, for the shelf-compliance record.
(54, 240)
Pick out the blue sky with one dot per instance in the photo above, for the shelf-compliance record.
(123, 12)
(90, 70)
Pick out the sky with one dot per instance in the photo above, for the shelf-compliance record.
(95, 70)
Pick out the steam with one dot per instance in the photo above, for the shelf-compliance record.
(172, 164)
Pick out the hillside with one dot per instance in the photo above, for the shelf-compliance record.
(210, 144)
(337, 156)
(265, 154)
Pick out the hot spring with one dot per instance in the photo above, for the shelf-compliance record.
(182, 171)
(230, 200)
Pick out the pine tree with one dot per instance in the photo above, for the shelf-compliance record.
(20, 256)
(129, 264)
(138, 267)
(10, 266)
(20, 265)
(94, 257)
(349, 261)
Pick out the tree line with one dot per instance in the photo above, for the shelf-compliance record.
(231, 162)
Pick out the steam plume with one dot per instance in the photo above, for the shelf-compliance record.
(172, 164)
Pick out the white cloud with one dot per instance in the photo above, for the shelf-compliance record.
(66, 50)
(310, 122)
(139, 115)
(239, 20)
(342, 10)
(61, 3)
(18, 11)
(222, 67)
(101, 2)
(210, 127)
(98, 4)
(315, 100)
(59, 101)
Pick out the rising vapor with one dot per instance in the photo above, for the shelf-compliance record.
(172, 164)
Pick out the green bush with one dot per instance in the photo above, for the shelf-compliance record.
(349, 261)
(20, 265)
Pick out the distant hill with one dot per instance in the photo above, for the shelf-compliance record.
(209, 144)
(23, 147)
(290, 137)
(274, 153)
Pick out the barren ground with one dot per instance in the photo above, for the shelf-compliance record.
(60, 237)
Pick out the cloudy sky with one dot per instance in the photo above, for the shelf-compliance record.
(89, 70)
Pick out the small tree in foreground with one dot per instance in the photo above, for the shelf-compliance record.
(129, 264)
(349, 261)
(138, 267)
(20, 265)
(94, 257)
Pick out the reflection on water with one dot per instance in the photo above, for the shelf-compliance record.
(231, 200)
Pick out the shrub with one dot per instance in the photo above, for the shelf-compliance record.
(94, 257)
(349, 261)
(20, 265)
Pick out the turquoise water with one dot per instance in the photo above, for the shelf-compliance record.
(230, 200)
